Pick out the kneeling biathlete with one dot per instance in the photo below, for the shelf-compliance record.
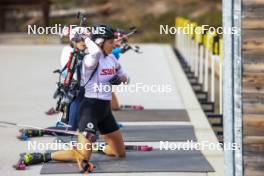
(120, 47)
(70, 123)
(95, 109)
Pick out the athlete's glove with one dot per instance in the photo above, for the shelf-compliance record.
(115, 80)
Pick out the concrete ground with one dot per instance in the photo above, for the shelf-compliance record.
(27, 86)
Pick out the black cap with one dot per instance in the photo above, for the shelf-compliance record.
(108, 32)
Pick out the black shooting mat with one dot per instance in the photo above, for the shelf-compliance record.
(150, 133)
(151, 115)
(153, 161)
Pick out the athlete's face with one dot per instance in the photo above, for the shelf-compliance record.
(80, 45)
(108, 46)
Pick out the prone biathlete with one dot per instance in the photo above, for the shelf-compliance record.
(95, 109)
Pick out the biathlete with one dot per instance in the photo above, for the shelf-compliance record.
(117, 51)
(76, 37)
(76, 41)
(95, 109)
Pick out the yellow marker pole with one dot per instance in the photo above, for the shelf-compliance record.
(206, 43)
(220, 76)
(208, 52)
(214, 51)
(195, 46)
(199, 41)
(187, 47)
(191, 47)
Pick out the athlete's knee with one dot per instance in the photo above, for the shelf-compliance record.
(88, 132)
(90, 136)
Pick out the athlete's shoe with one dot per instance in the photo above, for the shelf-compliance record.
(51, 111)
(85, 167)
(24, 134)
(27, 159)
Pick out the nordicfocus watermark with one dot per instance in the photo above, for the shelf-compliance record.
(165, 29)
(59, 145)
(59, 29)
(192, 145)
(134, 88)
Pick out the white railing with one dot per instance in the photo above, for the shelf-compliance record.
(203, 54)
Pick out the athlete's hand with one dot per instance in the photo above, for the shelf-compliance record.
(115, 80)
(124, 79)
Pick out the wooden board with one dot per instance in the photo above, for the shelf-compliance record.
(253, 86)
(247, 97)
(253, 159)
(250, 23)
(253, 39)
(253, 125)
(254, 163)
(253, 82)
(253, 61)
(251, 108)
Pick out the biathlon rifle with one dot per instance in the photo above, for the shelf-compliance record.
(124, 40)
(81, 16)
(125, 35)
